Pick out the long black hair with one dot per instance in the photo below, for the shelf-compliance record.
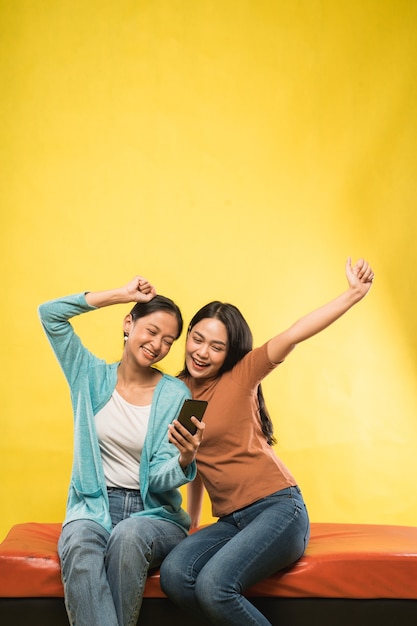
(158, 303)
(240, 343)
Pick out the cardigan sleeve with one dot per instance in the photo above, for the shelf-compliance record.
(54, 315)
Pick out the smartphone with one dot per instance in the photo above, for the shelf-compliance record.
(190, 408)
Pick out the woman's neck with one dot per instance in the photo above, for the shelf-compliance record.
(137, 386)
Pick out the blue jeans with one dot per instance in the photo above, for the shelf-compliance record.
(104, 574)
(208, 572)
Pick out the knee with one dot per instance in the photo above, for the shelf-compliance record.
(128, 541)
(211, 589)
(81, 544)
(171, 575)
(81, 536)
(125, 532)
(168, 572)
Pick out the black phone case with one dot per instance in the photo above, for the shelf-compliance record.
(190, 408)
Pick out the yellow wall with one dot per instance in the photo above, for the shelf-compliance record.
(232, 150)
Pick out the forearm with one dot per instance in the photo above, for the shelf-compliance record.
(195, 494)
(311, 324)
(108, 297)
(324, 316)
(137, 290)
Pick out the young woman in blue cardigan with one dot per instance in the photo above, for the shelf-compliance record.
(124, 510)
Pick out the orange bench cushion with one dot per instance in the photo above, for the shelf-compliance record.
(341, 561)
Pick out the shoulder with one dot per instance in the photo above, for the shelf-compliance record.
(254, 366)
(257, 354)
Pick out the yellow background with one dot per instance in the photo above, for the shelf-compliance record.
(224, 149)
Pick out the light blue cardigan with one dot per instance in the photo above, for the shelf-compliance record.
(92, 382)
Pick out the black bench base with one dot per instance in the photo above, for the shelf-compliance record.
(279, 611)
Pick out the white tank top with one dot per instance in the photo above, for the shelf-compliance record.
(121, 429)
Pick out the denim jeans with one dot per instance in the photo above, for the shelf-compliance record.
(104, 574)
(207, 573)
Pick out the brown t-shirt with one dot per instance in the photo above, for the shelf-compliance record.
(234, 460)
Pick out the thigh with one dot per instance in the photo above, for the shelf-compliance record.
(151, 537)
(192, 554)
(82, 536)
(273, 534)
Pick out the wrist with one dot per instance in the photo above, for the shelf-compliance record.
(183, 464)
(355, 294)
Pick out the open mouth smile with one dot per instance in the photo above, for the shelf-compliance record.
(149, 353)
(199, 364)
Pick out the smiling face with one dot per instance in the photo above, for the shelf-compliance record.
(150, 337)
(206, 348)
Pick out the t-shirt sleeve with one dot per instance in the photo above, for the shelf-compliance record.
(254, 366)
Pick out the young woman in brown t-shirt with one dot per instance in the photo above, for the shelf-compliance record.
(263, 524)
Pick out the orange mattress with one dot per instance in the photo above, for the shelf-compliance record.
(342, 561)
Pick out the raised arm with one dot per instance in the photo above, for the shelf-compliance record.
(359, 277)
(137, 290)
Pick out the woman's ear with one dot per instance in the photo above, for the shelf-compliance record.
(127, 324)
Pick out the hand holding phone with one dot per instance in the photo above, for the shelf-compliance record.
(191, 408)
